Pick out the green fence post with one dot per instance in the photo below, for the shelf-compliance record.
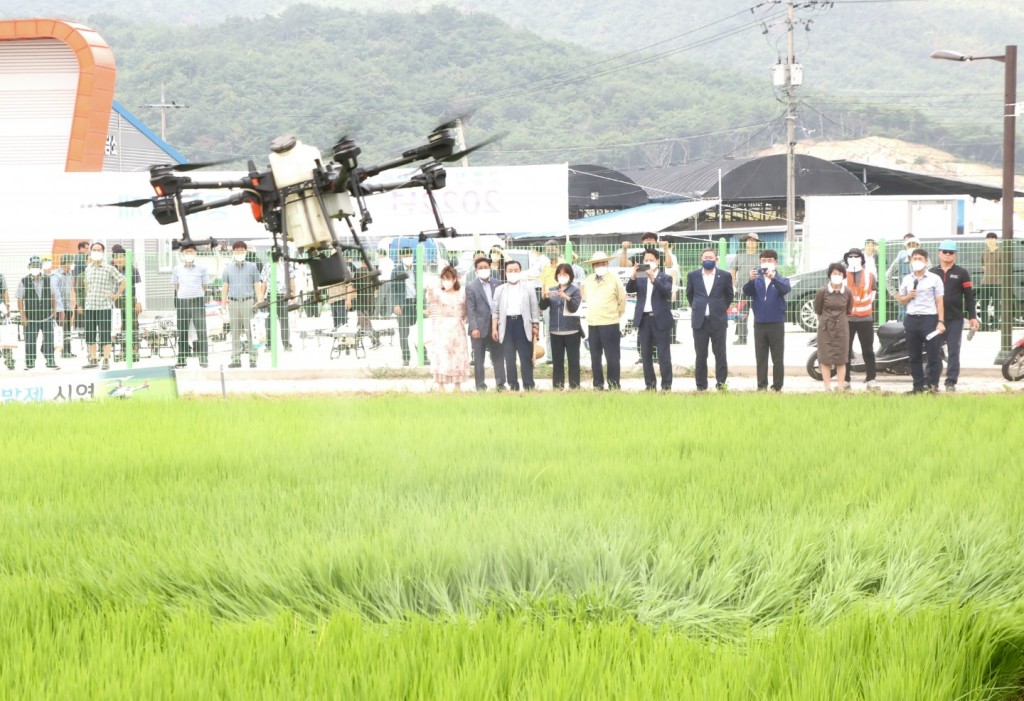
(723, 253)
(420, 353)
(129, 307)
(883, 284)
(272, 341)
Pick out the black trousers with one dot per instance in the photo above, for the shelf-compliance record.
(64, 319)
(651, 337)
(605, 339)
(32, 331)
(917, 327)
(865, 331)
(191, 311)
(563, 346)
(701, 337)
(406, 320)
(770, 337)
(517, 343)
(282, 321)
(486, 345)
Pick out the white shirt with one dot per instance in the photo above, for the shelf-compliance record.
(514, 299)
(650, 295)
(386, 266)
(929, 287)
(709, 280)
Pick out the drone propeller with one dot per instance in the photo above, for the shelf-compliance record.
(129, 203)
(458, 155)
(186, 167)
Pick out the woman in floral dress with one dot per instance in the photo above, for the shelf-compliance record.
(450, 356)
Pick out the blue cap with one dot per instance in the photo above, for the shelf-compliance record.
(948, 245)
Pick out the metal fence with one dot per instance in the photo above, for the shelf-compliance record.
(149, 323)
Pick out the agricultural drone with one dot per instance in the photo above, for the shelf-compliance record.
(299, 198)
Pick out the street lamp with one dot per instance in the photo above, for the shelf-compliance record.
(1009, 145)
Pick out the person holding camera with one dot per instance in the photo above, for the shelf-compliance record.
(563, 301)
(709, 292)
(652, 317)
(921, 293)
(833, 304)
(767, 290)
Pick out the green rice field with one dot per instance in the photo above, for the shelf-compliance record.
(580, 546)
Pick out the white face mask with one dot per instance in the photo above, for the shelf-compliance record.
(239, 257)
(918, 265)
(407, 262)
(96, 255)
(563, 279)
(447, 284)
(768, 266)
(189, 257)
(484, 273)
(47, 265)
(600, 270)
(513, 277)
(836, 279)
(35, 271)
(854, 265)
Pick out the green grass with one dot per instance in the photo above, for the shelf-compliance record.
(572, 546)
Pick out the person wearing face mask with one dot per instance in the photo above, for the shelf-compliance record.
(64, 288)
(447, 304)
(103, 285)
(404, 294)
(515, 324)
(119, 259)
(767, 290)
(652, 318)
(498, 263)
(190, 280)
(900, 267)
(479, 308)
(240, 292)
(833, 304)
(37, 304)
(605, 296)
(958, 298)
(563, 300)
(861, 282)
(921, 292)
(709, 292)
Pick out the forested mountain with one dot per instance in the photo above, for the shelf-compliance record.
(702, 70)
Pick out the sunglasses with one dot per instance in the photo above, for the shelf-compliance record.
(948, 253)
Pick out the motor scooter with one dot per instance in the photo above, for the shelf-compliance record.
(1013, 367)
(891, 357)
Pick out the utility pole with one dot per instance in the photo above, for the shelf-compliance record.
(790, 131)
(460, 129)
(163, 106)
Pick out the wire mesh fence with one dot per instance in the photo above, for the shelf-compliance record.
(65, 310)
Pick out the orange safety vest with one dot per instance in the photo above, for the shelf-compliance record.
(863, 296)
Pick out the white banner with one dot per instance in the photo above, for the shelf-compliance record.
(42, 207)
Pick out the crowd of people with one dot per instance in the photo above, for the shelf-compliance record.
(494, 314)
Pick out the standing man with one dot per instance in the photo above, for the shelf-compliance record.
(37, 305)
(7, 353)
(901, 267)
(515, 324)
(958, 294)
(386, 267)
(240, 291)
(480, 292)
(103, 285)
(994, 280)
(405, 301)
(652, 318)
(871, 257)
(768, 291)
(921, 293)
(709, 292)
(862, 284)
(285, 291)
(120, 262)
(606, 303)
(63, 281)
(744, 265)
(81, 261)
(190, 281)
(648, 241)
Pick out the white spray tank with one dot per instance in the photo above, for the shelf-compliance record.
(293, 162)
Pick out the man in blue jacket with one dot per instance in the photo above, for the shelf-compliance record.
(652, 318)
(767, 290)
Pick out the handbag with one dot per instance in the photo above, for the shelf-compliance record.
(8, 335)
(538, 350)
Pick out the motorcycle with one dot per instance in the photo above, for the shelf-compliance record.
(1013, 367)
(891, 357)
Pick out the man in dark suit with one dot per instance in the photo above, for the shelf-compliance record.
(479, 307)
(652, 317)
(709, 292)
